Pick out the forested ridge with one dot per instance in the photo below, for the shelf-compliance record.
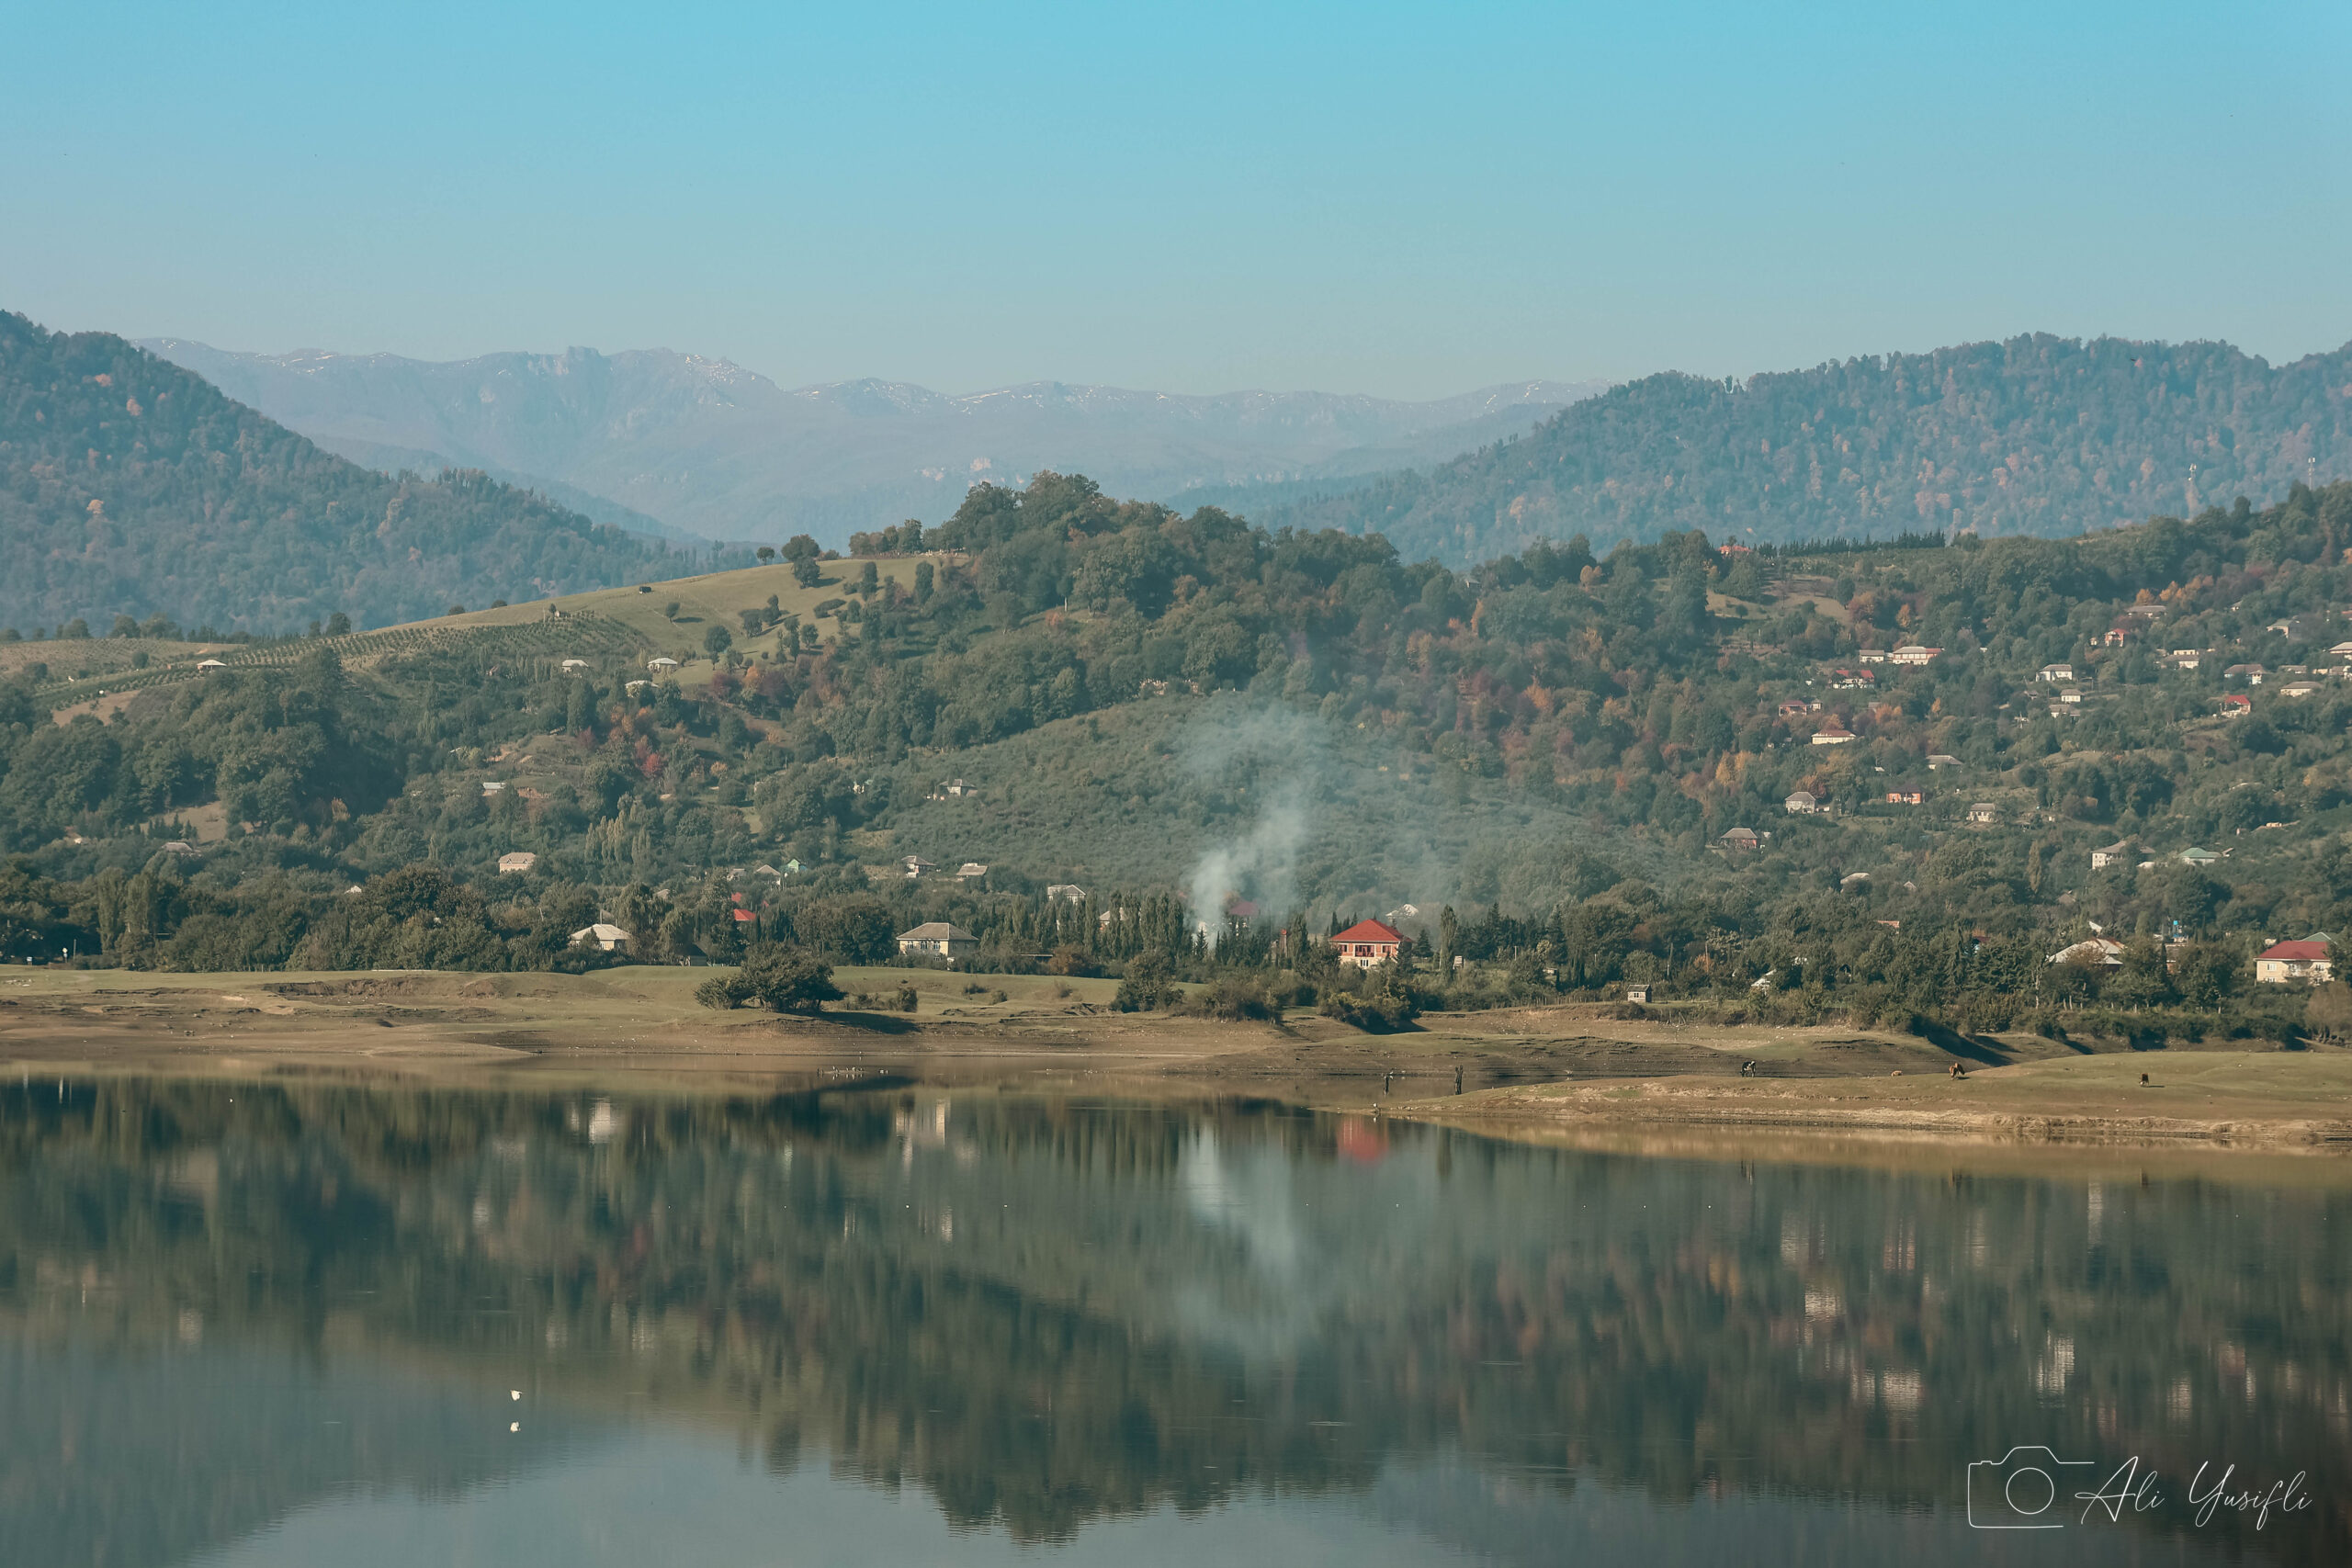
(128, 486)
(2037, 434)
(1184, 715)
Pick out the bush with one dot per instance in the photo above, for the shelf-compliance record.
(780, 979)
(908, 998)
(1234, 998)
(1146, 986)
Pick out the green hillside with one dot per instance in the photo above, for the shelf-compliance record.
(131, 487)
(1182, 714)
(2040, 435)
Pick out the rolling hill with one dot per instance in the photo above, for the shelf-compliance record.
(130, 486)
(708, 447)
(2038, 436)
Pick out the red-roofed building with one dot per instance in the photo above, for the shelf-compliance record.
(2285, 961)
(1368, 942)
(744, 917)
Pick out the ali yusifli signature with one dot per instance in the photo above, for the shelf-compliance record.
(2132, 1489)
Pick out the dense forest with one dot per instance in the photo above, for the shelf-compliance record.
(128, 486)
(2039, 434)
(1230, 738)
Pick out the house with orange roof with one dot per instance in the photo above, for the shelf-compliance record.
(1368, 942)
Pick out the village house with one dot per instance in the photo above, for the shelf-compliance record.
(1983, 812)
(1637, 993)
(1906, 797)
(602, 936)
(1796, 706)
(917, 866)
(1065, 893)
(938, 939)
(2193, 855)
(2054, 673)
(2115, 854)
(2341, 653)
(2118, 633)
(1872, 656)
(1803, 803)
(1368, 942)
(970, 871)
(2185, 658)
(2237, 705)
(1942, 759)
(2284, 963)
(1738, 839)
(2298, 689)
(1912, 653)
(2144, 612)
(1832, 735)
(2251, 674)
(515, 863)
(2105, 953)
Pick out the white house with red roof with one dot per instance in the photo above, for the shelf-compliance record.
(1368, 942)
(2283, 962)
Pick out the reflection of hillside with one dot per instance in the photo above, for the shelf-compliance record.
(1042, 1313)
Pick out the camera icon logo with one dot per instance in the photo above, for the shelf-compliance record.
(2023, 1489)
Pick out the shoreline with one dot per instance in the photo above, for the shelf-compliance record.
(1548, 1074)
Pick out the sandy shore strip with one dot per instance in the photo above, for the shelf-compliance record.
(1560, 1073)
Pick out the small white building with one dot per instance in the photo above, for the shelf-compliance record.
(917, 866)
(662, 664)
(602, 936)
(1984, 811)
(2116, 853)
(1803, 803)
(206, 666)
(1912, 653)
(938, 939)
(516, 863)
(574, 666)
(1833, 735)
(2054, 673)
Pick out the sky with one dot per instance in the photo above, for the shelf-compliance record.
(1407, 200)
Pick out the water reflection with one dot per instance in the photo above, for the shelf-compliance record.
(260, 1324)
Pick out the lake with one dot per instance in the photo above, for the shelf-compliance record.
(311, 1321)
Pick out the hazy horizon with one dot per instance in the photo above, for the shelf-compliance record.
(1396, 201)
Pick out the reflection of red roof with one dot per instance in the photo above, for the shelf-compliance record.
(2295, 952)
(1369, 930)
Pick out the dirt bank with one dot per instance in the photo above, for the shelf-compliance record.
(1531, 1072)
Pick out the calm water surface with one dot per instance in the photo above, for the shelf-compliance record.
(309, 1324)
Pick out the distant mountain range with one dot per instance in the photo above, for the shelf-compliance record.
(2039, 434)
(657, 441)
(130, 486)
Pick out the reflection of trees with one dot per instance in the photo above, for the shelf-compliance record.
(1042, 1313)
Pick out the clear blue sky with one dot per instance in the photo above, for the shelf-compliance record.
(1403, 199)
